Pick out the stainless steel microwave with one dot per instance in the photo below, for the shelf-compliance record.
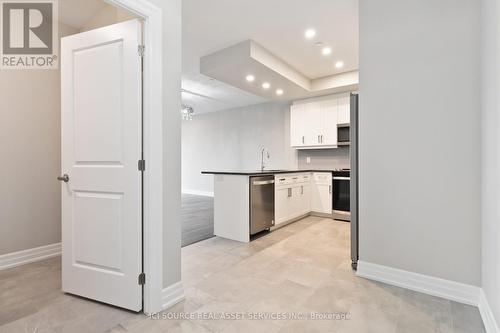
(343, 135)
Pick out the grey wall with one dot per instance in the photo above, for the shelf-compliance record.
(420, 137)
(30, 130)
(232, 140)
(491, 154)
(324, 159)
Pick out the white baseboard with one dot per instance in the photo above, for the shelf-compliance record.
(172, 295)
(454, 291)
(14, 259)
(196, 192)
(488, 318)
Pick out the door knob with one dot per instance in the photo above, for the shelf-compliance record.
(63, 178)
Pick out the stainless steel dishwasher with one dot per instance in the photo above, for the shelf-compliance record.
(261, 203)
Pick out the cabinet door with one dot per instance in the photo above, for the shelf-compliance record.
(322, 199)
(297, 135)
(344, 114)
(313, 122)
(329, 111)
(305, 198)
(321, 192)
(296, 202)
(282, 204)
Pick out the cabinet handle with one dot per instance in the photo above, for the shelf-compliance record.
(330, 189)
(302, 190)
(303, 139)
(289, 192)
(319, 140)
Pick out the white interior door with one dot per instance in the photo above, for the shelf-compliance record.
(101, 145)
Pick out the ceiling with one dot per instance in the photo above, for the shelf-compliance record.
(204, 94)
(278, 26)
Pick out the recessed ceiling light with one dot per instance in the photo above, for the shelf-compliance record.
(326, 50)
(310, 33)
(266, 85)
(339, 64)
(279, 92)
(250, 78)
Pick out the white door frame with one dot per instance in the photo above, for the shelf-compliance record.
(153, 149)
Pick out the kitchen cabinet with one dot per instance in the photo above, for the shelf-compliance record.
(344, 109)
(282, 204)
(329, 115)
(297, 195)
(292, 197)
(321, 196)
(297, 119)
(313, 123)
(305, 198)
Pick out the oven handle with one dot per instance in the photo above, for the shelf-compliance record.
(341, 178)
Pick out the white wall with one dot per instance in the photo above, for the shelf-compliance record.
(172, 68)
(491, 154)
(232, 140)
(30, 130)
(420, 137)
(107, 16)
(324, 159)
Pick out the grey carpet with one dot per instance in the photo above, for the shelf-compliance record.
(197, 218)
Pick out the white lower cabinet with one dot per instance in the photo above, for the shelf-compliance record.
(305, 198)
(321, 196)
(282, 203)
(299, 194)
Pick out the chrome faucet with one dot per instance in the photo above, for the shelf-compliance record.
(262, 158)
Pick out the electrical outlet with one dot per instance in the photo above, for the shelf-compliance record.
(308, 160)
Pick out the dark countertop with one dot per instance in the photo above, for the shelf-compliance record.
(259, 173)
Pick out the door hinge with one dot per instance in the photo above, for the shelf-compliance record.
(141, 165)
(141, 49)
(142, 279)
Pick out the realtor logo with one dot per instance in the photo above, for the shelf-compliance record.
(29, 34)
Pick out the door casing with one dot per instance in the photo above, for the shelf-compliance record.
(153, 149)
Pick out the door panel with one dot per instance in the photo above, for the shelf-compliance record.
(282, 205)
(297, 137)
(98, 221)
(306, 199)
(101, 121)
(101, 107)
(344, 109)
(329, 108)
(313, 123)
(321, 196)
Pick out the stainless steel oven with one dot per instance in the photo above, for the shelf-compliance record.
(341, 200)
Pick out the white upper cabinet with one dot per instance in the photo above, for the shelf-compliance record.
(313, 123)
(297, 129)
(344, 114)
(329, 111)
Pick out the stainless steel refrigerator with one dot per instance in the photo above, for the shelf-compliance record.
(354, 134)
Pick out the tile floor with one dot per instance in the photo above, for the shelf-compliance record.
(302, 268)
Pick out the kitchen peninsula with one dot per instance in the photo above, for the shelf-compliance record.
(247, 202)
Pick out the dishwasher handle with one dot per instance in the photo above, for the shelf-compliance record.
(262, 182)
